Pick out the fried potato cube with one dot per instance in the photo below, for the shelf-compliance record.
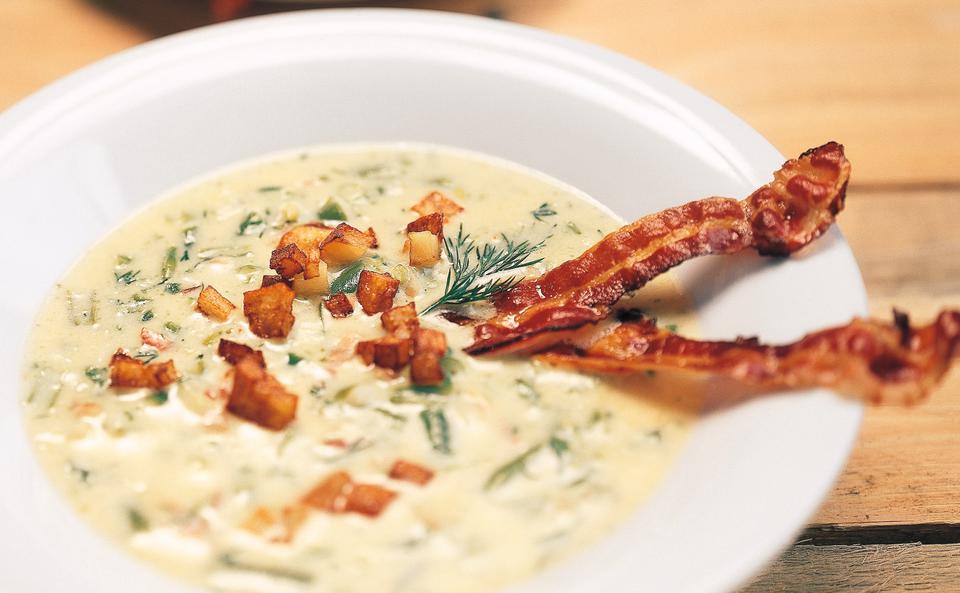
(128, 372)
(388, 352)
(375, 291)
(410, 472)
(313, 281)
(271, 279)
(288, 261)
(307, 237)
(369, 499)
(432, 223)
(330, 494)
(401, 321)
(259, 397)
(437, 202)
(270, 310)
(292, 518)
(234, 352)
(339, 305)
(424, 249)
(429, 348)
(345, 244)
(213, 304)
(374, 242)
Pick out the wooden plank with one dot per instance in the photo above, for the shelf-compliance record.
(906, 465)
(862, 569)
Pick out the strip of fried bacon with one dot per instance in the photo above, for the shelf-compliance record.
(867, 359)
(777, 219)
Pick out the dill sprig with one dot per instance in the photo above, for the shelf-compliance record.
(471, 266)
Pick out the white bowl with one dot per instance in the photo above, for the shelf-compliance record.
(80, 155)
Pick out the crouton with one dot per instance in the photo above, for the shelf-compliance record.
(369, 499)
(339, 305)
(375, 292)
(424, 249)
(259, 397)
(128, 372)
(410, 472)
(213, 304)
(401, 321)
(271, 279)
(388, 352)
(432, 223)
(345, 244)
(269, 310)
(429, 348)
(234, 352)
(314, 279)
(288, 261)
(437, 202)
(330, 494)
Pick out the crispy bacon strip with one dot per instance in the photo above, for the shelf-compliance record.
(777, 219)
(870, 360)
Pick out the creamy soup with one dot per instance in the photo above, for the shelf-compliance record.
(529, 463)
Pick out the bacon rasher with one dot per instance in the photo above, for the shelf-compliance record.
(867, 359)
(777, 219)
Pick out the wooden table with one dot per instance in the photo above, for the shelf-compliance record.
(883, 77)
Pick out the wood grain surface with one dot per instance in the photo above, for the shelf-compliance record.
(883, 77)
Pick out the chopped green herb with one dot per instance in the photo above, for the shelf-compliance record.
(147, 355)
(558, 445)
(671, 327)
(169, 265)
(438, 429)
(573, 227)
(526, 391)
(468, 279)
(544, 211)
(189, 236)
(123, 260)
(293, 359)
(147, 316)
(211, 338)
(97, 374)
(331, 210)
(512, 468)
(390, 414)
(82, 309)
(173, 288)
(82, 474)
(252, 222)
(128, 277)
(348, 279)
(137, 521)
(135, 304)
(159, 397)
(172, 326)
(269, 188)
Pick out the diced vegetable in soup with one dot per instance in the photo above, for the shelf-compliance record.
(258, 383)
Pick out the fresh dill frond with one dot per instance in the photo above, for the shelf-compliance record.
(469, 278)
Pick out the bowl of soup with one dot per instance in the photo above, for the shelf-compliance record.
(151, 194)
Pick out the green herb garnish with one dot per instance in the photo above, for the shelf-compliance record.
(293, 359)
(348, 279)
(123, 260)
(526, 391)
(128, 277)
(573, 227)
(438, 429)
(331, 210)
(269, 188)
(97, 374)
(137, 521)
(159, 397)
(544, 211)
(169, 265)
(671, 327)
(147, 316)
(512, 468)
(147, 355)
(172, 326)
(558, 445)
(252, 222)
(468, 279)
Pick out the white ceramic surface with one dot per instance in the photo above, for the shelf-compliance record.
(77, 157)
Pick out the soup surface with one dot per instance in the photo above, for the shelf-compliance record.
(529, 463)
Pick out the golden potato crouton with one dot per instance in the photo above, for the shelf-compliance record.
(271, 279)
(213, 304)
(429, 348)
(410, 472)
(288, 261)
(375, 291)
(128, 372)
(369, 499)
(259, 397)
(330, 494)
(270, 310)
(339, 305)
(437, 202)
(432, 223)
(388, 352)
(234, 352)
(424, 249)
(401, 321)
(346, 244)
